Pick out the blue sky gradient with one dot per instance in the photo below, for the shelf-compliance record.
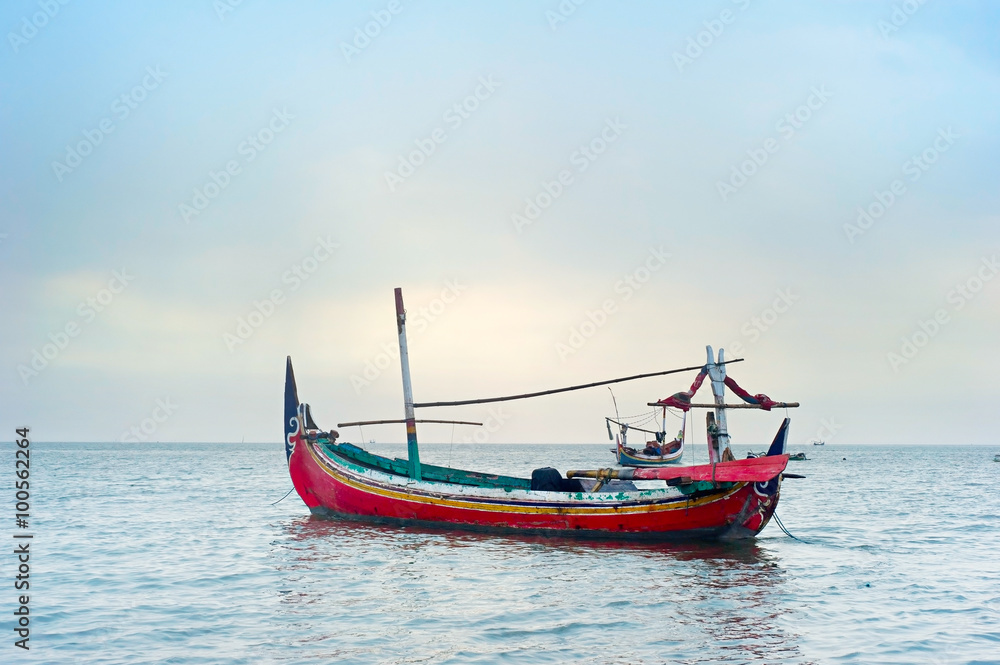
(885, 96)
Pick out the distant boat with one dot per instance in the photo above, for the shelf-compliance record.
(671, 454)
(819, 443)
(996, 458)
(656, 453)
(798, 457)
(726, 498)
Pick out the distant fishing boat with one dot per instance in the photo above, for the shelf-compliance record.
(996, 458)
(671, 453)
(798, 457)
(819, 443)
(657, 452)
(726, 498)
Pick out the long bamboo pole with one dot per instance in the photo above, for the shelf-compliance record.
(397, 422)
(487, 400)
(637, 429)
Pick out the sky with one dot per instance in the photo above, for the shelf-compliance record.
(566, 192)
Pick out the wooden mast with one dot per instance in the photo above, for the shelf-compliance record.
(719, 442)
(412, 452)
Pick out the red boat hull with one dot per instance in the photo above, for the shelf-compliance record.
(330, 486)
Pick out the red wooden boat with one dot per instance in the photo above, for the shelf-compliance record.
(726, 498)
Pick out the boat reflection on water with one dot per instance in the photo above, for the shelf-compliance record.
(471, 596)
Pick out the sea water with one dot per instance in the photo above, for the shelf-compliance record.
(177, 553)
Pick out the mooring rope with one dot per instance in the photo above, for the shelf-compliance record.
(284, 497)
(787, 532)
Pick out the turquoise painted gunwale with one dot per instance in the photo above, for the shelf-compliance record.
(428, 471)
(357, 466)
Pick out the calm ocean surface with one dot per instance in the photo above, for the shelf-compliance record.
(173, 553)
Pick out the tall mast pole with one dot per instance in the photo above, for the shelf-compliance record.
(717, 373)
(413, 453)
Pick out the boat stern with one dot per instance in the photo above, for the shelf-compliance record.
(758, 508)
(762, 500)
(297, 418)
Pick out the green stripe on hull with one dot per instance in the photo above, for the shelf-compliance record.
(428, 471)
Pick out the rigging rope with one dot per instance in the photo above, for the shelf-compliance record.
(648, 418)
(451, 445)
(673, 413)
(644, 414)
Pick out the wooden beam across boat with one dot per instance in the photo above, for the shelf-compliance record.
(755, 469)
(779, 405)
(397, 422)
(635, 429)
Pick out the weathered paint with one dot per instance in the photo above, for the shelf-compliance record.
(331, 484)
(719, 441)
(412, 451)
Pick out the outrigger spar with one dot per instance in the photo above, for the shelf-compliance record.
(726, 498)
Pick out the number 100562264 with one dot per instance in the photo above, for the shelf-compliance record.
(22, 471)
